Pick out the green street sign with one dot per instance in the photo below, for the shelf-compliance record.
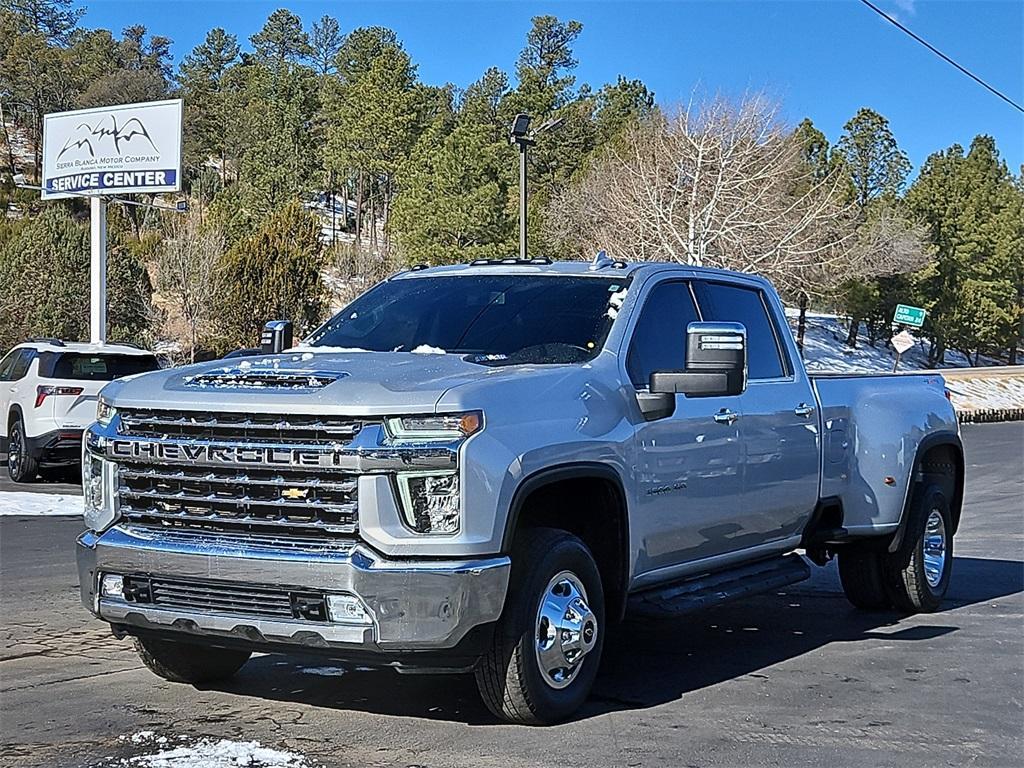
(909, 315)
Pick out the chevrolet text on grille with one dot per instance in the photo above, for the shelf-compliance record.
(255, 455)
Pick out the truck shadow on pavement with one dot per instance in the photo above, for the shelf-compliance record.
(647, 663)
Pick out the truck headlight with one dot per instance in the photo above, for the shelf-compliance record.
(98, 477)
(443, 427)
(430, 501)
(105, 412)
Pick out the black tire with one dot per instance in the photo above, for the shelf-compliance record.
(511, 681)
(21, 465)
(861, 574)
(189, 662)
(904, 572)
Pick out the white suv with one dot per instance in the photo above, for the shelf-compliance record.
(48, 392)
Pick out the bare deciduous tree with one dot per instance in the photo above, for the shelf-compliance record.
(187, 273)
(889, 243)
(717, 184)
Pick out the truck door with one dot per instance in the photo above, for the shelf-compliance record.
(688, 465)
(779, 427)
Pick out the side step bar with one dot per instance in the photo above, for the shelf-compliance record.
(700, 592)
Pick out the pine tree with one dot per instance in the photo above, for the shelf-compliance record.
(972, 207)
(44, 284)
(282, 39)
(274, 273)
(876, 165)
(325, 43)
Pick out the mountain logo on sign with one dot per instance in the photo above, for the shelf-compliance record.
(92, 137)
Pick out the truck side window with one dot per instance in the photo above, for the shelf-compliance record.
(735, 304)
(659, 338)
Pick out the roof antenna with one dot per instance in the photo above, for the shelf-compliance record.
(600, 261)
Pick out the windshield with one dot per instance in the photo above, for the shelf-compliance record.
(497, 319)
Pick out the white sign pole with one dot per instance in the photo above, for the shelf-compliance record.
(98, 270)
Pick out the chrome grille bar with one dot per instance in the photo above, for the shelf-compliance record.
(242, 426)
(200, 518)
(163, 473)
(243, 540)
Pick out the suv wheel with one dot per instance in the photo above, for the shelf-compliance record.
(547, 645)
(189, 662)
(21, 466)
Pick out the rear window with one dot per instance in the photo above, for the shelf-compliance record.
(74, 365)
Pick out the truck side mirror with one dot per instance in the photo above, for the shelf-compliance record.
(276, 337)
(716, 363)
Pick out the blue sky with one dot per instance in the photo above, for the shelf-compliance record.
(823, 60)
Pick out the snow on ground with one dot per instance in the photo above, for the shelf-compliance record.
(18, 503)
(825, 349)
(207, 753)
(324, 671)
(987, 394)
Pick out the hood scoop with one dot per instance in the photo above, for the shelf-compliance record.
(262, 379)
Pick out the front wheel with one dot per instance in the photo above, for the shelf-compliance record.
(548, 643)
(21, 465)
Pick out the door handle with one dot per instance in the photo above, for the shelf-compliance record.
(726, 417)
(803, 409)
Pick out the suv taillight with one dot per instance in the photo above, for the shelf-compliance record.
(43, 392)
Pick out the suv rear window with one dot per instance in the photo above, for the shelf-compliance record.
(85, 367)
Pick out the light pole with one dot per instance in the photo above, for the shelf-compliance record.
(524, 138)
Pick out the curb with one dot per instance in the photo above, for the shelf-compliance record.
(988, 415)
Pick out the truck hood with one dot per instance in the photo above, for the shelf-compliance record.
(349, 383)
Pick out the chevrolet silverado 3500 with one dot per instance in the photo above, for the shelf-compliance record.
(479, 468)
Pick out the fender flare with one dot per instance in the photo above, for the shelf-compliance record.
(549, 475)
(573, 471)
(934, 440)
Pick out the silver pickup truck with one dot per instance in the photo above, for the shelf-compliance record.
(479, 468)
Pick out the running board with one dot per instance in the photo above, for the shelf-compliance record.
(700, 592)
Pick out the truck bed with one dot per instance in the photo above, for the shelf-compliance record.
(871, 428)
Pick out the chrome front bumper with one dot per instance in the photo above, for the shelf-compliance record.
(415, 605)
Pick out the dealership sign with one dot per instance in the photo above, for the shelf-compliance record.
(113, 150)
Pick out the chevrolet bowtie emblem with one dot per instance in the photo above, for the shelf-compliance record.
(295, 493)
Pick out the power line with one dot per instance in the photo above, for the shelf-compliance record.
(941, 55)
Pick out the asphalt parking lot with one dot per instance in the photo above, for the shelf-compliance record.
(786, 679)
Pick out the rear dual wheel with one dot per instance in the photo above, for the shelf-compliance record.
(915, 577)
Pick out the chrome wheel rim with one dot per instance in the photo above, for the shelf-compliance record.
(565, 630)
(934, 548)
(14, 451)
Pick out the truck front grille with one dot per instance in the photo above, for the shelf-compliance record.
(239, 427)
(306, 502)
(222, 598)
(251, 501)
